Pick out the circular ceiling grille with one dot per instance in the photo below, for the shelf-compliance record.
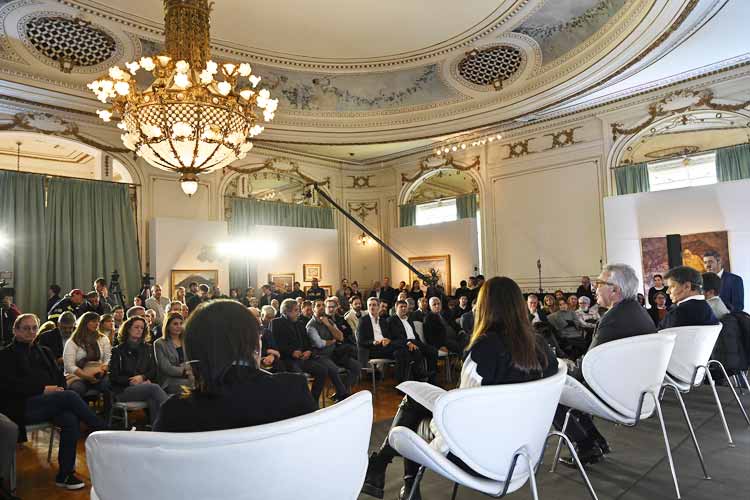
(72, 40)
(491, 66)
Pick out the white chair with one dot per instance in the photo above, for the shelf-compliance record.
(120, 411)
(689, 366)
(266, 461)
(620, 375)
(481, 426)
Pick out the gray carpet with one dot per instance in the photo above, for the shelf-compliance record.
(637, 468)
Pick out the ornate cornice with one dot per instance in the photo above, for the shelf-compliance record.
(427, 165)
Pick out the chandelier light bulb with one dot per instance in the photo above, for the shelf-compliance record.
(147, 63)
(189, 187)
(224, 87)
(254, 80)
(245, 69)
(122, 88)
(182, 80)
(229, 68)
(182, 66)
(212, 67)
(104, 114)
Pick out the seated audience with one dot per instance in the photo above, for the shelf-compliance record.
(439, 333)
(174, 307)
(154, 331)
(503, 350)
(732, 291)
(32, 391)
(185, 311)
(95, 304)
(324, 336)
(373, 341)
(179, 295)
(550, 304)
(315, 292)
(461, 308)
(588, 316)
(354, 313)
(269, 355)
(53, 296)
(415, 292)
(294, 345)
(572, 303)
(107, 328)
(86, 357)
(355, 289)
(690, 307)
(461, 290)
(133, 368)
(8, 440)
(711, 288)
(536, 314)
(230, 390)
(74, 302)
(383, 310)
(136, 311)
(400, 329)
(467, 321)
(118, 315)
(173, 369)
(559, 295)
(305, 312)
(100, 286)
(423, 307)
(55, 340)
(158, 303)
(201, 296)
(340, 292)
(657, 288)
(585, 289)
(616, 289)
(659, 310)
(569, 329)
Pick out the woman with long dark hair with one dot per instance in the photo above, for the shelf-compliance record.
(503, 349)
(86, 356)
(172, 366)
(222, 342)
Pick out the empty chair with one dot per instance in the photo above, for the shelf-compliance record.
(624, 377)
(689, 365)
(266, 461)
(481, 426)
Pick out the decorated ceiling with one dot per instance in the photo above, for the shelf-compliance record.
(346, 74)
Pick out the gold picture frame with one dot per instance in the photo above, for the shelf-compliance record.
(441, 263)
(310, 271)
(281, 280)
(183, 277)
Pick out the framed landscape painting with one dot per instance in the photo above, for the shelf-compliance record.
(310, 271)
(281, 280)
(183, 277)
(441, 264)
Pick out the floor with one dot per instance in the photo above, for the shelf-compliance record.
(636, 469)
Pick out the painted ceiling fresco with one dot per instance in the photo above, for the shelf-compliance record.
(561, 25)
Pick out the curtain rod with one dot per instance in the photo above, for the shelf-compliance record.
(57, 176)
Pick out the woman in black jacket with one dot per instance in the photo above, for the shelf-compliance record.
(504, 349)
(132, 369)
(223, 343)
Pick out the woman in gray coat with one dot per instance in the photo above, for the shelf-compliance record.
(174, 371)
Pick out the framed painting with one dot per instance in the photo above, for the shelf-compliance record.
(310, 271)
(441, 264)
(327, 288)
(281, 280)
(183, 277)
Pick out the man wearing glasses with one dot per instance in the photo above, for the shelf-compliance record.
(616, 290)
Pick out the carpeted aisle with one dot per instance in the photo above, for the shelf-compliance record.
(637, 468)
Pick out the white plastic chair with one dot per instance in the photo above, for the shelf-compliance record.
(481, 426)
(620, 375)
(266, 461)
(689, 366)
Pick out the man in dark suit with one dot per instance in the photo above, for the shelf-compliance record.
(295, 347)
(439, 333)
(617, 289)
(402, 332)
(536, 314)
(584, 289)
(373, 341)
(388, 293)
(691, 309)
(732, 290)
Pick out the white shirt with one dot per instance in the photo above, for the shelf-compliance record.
(536, 318)
(409, 330)
(377, 333)
(720, 273)
(692, 297)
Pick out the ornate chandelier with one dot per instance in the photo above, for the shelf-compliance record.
(196, 116)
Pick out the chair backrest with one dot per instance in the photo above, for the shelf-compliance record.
(485, 426)
(419, 327)
(692, 348)
(621, 370)
(286, 459)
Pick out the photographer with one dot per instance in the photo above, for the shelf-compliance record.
(8, 314)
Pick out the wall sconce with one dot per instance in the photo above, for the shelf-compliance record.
(363, 239)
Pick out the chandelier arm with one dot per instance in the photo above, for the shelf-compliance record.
(224, 134)
(168, 138)
(197, 138)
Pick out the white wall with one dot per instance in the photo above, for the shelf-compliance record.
(181, 244)
(298, 246)
(457, 239)
(719, 207)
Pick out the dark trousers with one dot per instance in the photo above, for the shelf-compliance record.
(103, 387)
(65, 409)
(430, 356)
(314, 368)
(581, 429)
(396, 352)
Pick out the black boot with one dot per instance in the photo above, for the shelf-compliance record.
(375, 478)
(406, 489)
(588, 455)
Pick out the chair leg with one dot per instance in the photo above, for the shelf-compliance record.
(666, 443)
(455, 491)
(532, 475)
(689, 425)
(374, 388)
(12, 478)
(736, 397)
(417, 480)
(571, 448)
(721, 409)
(560, 441)
(51, 442)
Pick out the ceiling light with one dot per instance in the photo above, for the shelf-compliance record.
(166, 123)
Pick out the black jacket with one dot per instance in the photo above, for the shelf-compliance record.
(365, 334)
(653, 292)
(730, 348)
(495, 364)
(25, 369)
(253, 398)
(397, 333)
(126, 363)
(65, 304)
(52, 339)
(690, 313)
(290, 336)
(625, 319)
(435, 333)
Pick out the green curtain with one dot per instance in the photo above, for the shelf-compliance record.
(466, 206)
(22, 220)
(733, 163)
(632, 179)
(407, 215)
(91, 232)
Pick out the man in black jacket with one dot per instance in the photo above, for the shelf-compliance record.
(55, 339)
(617, 289)
(32, 390)
(439, 333)
(691, 309)
(74, 302)
(295, 347)
(402, 332)
(373, 341)
(388, 294)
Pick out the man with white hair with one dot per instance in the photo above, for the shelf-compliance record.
(587, 315)
(439, 333)
(616, 290)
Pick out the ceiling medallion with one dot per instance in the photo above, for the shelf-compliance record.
(195, 116)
